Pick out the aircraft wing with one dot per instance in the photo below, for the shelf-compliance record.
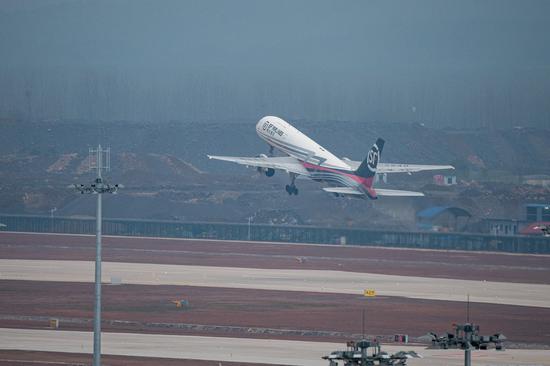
(397, 193)
(399, 168)
(286, 163)
(344, 191)
(350, 191)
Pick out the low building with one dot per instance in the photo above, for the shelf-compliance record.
(504, 227)
(444, 180)
(535, 212)
(442, 218)
(537, 180)
(379, 178)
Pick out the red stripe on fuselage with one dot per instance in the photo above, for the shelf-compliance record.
(365, 182)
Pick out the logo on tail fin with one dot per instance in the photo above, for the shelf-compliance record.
(372, 159)
(368, 167)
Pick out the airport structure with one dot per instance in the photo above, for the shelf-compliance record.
(101, 161)
(369, 353)
(280, 233)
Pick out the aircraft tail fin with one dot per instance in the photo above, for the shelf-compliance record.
(367, 169)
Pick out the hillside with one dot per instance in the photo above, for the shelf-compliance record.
(167, 175)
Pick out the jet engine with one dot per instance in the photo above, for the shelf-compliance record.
(269, 172)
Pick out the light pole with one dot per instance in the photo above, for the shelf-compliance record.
(98, 186)
(467, 338)
(51, 218)
(249, 220)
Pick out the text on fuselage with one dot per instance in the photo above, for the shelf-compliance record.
(271, 129)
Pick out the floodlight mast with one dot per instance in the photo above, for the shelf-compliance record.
(98, 187)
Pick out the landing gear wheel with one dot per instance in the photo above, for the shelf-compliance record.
(291, 189)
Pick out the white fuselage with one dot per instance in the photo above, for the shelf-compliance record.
(285, 137)
(309, 159)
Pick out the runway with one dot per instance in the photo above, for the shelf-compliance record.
(476, 266)
(238, 349)
(281, 279)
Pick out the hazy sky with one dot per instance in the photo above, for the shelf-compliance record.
(467, 63)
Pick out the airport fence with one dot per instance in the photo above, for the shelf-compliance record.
(278, 233)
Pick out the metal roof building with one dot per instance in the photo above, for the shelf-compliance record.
(442, 218)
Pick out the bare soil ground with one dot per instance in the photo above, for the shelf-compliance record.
(29, 358)
(247, 313)
(408, 262)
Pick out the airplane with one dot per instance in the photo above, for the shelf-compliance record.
(305, 157)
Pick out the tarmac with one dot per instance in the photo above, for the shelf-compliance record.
(281, 279)
(247, 350)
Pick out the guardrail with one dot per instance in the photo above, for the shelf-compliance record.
(278, 233)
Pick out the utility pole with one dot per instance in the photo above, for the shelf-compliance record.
(99, 186)
(468, 332)
(363, 325)
(468, 309)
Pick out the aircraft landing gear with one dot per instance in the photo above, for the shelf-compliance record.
(291, 188)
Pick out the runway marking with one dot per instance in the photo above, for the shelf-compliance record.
(324, 281)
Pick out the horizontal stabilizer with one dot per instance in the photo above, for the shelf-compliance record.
(384, 168)
(397, 193)
(343, 190)
(410, 168)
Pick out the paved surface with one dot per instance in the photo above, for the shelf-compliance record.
(277, 279)
(39, 358)
(238, 349)
(471, 265)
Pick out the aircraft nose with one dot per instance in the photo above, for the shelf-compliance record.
(261, 123)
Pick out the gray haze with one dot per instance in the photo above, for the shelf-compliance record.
(444, 63)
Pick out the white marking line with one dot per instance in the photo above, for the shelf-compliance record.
(221, 349)
(281, 279)
(15, 362)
